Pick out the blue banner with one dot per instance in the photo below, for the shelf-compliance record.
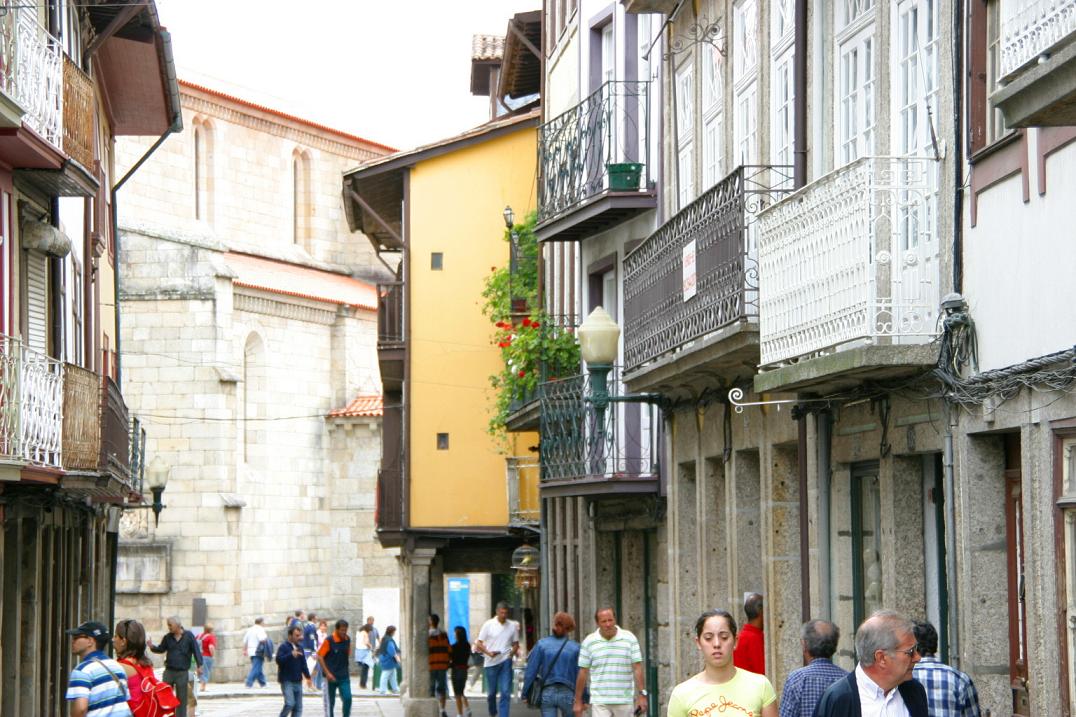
(459, 607)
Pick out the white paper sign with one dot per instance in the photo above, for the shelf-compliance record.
(689, 270)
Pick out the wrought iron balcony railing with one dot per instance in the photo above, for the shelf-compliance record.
(31, 405)
(574, 446)
(522, 473)
(588, 149)
(852, 257)
(1031, 28)
(32, 71)
(699, 271)
(390, 313)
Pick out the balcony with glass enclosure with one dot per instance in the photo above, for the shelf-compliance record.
(691, 288)
(1037, 58)
(849, 276)
(594, 163)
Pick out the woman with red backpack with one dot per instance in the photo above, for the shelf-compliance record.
(149, 696)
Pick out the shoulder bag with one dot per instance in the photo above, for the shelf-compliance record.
(534, 694)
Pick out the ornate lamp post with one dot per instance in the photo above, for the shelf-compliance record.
(157, 473)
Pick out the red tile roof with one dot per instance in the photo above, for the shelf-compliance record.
(284, 115)
(359, 407)
(255, 272)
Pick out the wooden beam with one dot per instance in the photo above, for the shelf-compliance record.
(377, 217)
(122, 18)
(523, 38)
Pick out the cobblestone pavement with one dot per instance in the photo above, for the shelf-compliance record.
(269, 706)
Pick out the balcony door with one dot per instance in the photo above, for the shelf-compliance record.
(867, 595)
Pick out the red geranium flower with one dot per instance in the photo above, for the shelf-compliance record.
(526, 321)
(522, 374)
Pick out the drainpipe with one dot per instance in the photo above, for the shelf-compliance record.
(950, 540)
(824, 433)
(958, 147)
(799, 168)
(805, 532)
(172, 87)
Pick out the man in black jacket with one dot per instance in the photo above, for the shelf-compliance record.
(882, 682)
(291, 672)
(180, 648)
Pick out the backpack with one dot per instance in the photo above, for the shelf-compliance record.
(158, 699)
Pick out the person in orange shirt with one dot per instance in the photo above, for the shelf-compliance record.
(750, 653)
(334, 656)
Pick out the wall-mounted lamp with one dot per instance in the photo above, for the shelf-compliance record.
(157, 473)
(509, 217)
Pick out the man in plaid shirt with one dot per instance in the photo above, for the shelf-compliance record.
(950, 692)
(805, 686)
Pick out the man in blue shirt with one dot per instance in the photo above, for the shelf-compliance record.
(310, 635)
(805, 686)
(291, 671)
(950, 692)
(556, 659)
(97, 686)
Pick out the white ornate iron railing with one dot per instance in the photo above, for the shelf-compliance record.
(37, 81)
(31, 405)
(1030, 28)
(852, 257)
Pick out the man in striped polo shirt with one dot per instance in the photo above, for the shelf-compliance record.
(611, 659)
(97, 687)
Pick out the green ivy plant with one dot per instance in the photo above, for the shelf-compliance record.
(532, 348)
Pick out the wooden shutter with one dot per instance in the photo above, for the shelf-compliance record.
(37, 312)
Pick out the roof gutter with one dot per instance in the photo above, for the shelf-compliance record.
(171, 87)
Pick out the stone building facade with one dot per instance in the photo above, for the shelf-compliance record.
(249, 341)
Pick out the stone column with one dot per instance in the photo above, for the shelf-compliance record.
(416, 699)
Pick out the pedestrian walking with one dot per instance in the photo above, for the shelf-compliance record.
(334, 656)
(364, 654)
(179, 648)
(254, 643)
(439, 659)
(882, 682)
(208, 642)
(129, 643)
(388, 654)
(498, 640)
(610, 658)
(375, 635)
(97, 687)
(461, 663)
(805, 686)
(320, 636)
(291, 670)
(555, 662)
(950, 693)
(721, 682)
(750, 652)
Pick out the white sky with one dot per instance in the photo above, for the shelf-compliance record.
(392, 71)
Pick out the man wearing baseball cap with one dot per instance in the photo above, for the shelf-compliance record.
(97, 686)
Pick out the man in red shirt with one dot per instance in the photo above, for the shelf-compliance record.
(208, 642)
(750, 652)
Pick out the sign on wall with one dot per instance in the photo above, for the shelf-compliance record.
(689, 288)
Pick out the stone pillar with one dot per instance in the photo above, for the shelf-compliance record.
(416, 699)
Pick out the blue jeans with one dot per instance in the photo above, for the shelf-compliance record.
(344, 685)
(293, 698)
(499, 679)
(256, 674)
(557, 699)
(388, 680)
(207, 669)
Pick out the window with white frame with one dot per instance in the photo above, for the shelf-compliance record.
(916, 83)
(782, 60)
(713, 116)
(685, 134)
(745, 80)
(995, 122)
(856, 87)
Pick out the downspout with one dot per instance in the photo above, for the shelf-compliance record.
(799, 153)
(950, 540)
(804, 520)
(172, 87)
(824, 439)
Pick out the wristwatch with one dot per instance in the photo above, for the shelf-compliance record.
(643, 693)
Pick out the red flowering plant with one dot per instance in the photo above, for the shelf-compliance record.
(533, 348)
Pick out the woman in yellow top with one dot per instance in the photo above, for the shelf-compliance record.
(721, 690)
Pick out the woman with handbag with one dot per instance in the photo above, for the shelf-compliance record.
(552, 668)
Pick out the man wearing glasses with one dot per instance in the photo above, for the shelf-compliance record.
(97, 686)
(882, 684)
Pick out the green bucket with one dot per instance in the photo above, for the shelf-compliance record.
(624, 176)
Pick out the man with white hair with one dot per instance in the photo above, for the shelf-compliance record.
(882, 683)
(179, 648)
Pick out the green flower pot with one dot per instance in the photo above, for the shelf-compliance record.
(624, 176)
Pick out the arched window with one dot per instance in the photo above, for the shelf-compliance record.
(301, 198)
(203, 170)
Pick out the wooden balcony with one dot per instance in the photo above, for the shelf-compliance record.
(391, 339)
(390, 504)
(78, 104)
(691, 289)
(850, 276)
(582, 455)
(96, 437)
(593, 163)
